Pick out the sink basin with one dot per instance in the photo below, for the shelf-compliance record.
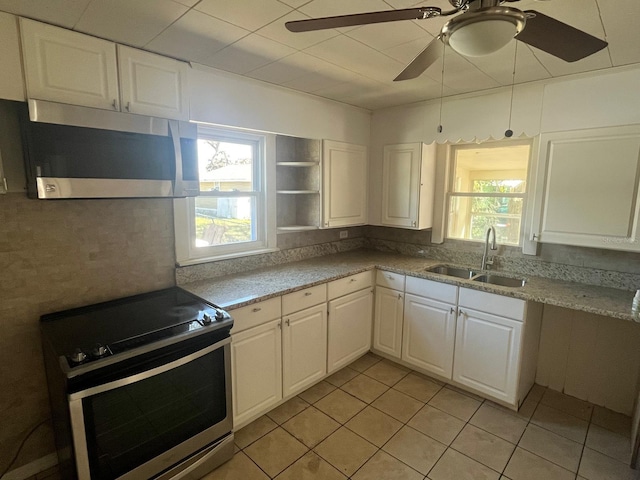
(500, 280)
(451, 271)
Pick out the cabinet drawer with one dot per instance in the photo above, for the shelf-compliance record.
(255, 314)
(350, 284)
(491, 303)
(442, 292)
(296, 301)
(394, 281)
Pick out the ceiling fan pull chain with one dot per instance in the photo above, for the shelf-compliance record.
(444, 50)
(509, 132)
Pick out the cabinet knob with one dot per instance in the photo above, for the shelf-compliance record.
(306, 294)
(352, 280)
(257, 309)
(414, 223)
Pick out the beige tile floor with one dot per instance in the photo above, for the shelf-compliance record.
(377, 420)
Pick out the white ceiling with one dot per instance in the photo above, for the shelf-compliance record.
(355, 65)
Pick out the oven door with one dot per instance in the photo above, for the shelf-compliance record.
(143, 424)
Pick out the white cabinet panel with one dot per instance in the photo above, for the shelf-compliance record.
(69, 67)
(256, 370)
(590, 181)
(429, 333)
(345, 180)
(408, 179)
(487, 354)
(387, 323)
(152, 85)
(11, 79)
(350, 284)
(349, 335)
(304, 349)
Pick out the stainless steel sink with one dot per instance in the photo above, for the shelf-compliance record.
(500, 280)
(458, 272)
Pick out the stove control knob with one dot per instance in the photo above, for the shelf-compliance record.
(219, 315)
(206, 319)
(78, 356)
(99, 351)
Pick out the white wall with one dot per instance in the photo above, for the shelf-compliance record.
(227, 99)
(576, 102)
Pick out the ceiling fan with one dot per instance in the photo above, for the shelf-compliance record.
(483, 27)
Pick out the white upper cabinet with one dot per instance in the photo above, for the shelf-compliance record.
(69, 67)
(11, 79)
(152, 85)
(587, 186)
(408, 176)
(345, 180)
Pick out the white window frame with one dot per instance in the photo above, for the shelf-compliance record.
(526, 196)
(264, 193)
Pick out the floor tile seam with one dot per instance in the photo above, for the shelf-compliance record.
(259, 467)
(559, 434)
(551, 461)
(396, 419)
(338, 468)
(566, 413)
(381, 449)
(295, 415)
(598, 451)
(261, 436)
(368, 403)
(458, 418)
(394, 383)
(415, 398)
(517, 443)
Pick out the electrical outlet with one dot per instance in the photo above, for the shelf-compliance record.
(344, 234)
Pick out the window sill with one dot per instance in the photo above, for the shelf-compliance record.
(228, 256)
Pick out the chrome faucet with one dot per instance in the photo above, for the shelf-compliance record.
(486, 259)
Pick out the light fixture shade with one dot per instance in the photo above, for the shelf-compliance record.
(484, 31)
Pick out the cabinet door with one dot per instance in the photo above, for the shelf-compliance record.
(349, 333)
(591, 195)
(69, 67)
(345, 183)
(387, 321)
(304, 348)
(429, 334)
(401, 184)
(256, 370)
(152, 85)
(11, 79)
(488, 353)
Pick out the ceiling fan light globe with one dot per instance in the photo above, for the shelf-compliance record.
(483, 31)
(482, 38)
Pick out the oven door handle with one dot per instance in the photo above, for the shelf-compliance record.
(149, 373)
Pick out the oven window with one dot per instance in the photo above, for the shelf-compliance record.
(130, 425)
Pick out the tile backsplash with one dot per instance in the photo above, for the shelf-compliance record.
(56, 255)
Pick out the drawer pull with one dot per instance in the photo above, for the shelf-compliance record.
(389, 277)
(453, 310)
(257, 309)
(306, 294)
(288, 322)
(399, 296)
(352, 280)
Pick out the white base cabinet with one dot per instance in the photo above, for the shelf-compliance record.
(387, 321)
(429, 333)
(256, 370)
(488, 353)
(350, 319)
(304, 349)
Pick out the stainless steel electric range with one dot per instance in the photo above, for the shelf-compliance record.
(140, 387)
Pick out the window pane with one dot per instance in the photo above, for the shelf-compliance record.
(225, 166)
(469, 218)
(225, 220)
(491, 169)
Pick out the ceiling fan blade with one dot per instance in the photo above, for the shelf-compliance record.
(362, 19)
(558, 38)
(423, 60)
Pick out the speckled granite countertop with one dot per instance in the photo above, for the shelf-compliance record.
(234, 291)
